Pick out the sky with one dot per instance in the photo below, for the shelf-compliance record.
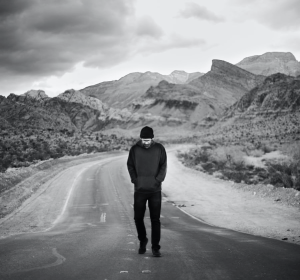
(62, 44)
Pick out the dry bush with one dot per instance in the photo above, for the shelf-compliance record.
(292, 150)
(235, 155)
(256, 153)
(287, 173)
(219, 155)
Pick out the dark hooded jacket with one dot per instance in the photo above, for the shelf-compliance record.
(147, 167)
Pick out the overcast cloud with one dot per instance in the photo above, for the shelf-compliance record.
(61, 44)
(279, 14)
(49, 37)
(194, 10)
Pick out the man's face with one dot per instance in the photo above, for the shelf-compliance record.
(146, 142)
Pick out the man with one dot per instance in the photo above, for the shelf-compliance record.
(147, 167)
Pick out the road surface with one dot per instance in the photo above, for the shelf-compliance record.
(94, 237)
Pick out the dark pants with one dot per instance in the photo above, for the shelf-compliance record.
(154, 204)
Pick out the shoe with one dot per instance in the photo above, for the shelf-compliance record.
(143, 244)
(156, 253)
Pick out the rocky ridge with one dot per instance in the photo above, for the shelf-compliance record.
(120, 93)
(271, 63)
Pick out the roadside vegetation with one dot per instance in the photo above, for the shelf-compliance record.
(22, 149)
(231, 162)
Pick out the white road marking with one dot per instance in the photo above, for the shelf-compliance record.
(85, 206)
(69, 195)
(103, 218)
(123, 271)
(146, 271)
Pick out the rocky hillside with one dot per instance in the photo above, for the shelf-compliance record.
(72, 95)
(120, 93)
(269, 112)
(201, 101)
(51, 113)
(271, 63)
(70, 111)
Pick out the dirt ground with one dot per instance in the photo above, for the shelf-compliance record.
(255, 209)
(258, 210)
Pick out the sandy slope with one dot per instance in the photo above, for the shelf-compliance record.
(217, 202)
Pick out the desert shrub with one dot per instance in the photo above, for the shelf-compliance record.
(286, 173)
(292, 150)
(235, 155)
(235, 175)
(219, 154)
(267, 148)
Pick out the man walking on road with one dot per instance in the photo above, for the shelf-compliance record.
(147, 167)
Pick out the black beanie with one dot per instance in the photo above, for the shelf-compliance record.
(147, 132)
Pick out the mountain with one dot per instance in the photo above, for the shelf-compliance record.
(37, 94)
(203, 99)
(70, 111)
(271, 63)
(120, 93)
(270, 111)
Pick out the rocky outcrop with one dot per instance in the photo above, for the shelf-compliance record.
(72, 95)
(36, 94)
(271, 63)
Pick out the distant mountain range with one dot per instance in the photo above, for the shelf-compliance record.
(202, 99)
(120, 93)
(187, 101)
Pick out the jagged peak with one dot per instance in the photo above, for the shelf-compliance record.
(224, 66)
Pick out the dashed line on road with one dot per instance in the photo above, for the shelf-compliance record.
(103, 218)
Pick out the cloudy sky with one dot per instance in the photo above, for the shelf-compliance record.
(56, 45)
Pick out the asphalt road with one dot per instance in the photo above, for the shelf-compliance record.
(95, 238)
